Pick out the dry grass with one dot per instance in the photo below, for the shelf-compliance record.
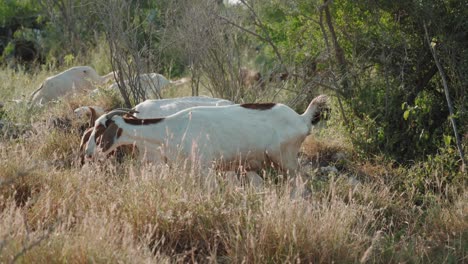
(53, 211)
(110, 214)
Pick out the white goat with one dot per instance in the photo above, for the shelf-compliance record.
(152, 83)
(73, 80)
(247, 135)
(155, 108)
(165, 107)
(149, 109)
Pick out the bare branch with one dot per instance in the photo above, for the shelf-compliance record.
(447, 96)
(259, 23)
(327, 44)
(243, 28)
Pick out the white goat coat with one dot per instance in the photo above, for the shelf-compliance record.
(73, 80)
(151, 83)
(166, 107)
(233, 134)
(151, 109)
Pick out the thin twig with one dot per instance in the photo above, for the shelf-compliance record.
(447, 96)
(32, 245)
(259, 23)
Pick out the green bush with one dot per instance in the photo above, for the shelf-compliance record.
(435, 175)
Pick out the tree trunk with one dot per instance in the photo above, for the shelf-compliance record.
(339, 53)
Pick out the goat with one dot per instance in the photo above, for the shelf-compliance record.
(119, 151)
(165, 107)
(149, 109)
(151, 83)
(155, 108)
(75, 79)
(247, 135)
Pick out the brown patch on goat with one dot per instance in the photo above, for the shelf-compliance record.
(137, 121)
(259, 106)
(85, 138)
(99, 131)
(108, 137)
(84, 141)
(119, 132)
(109, 122)
(93, 116)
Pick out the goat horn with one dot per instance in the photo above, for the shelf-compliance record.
(130, 111)
(117, 112)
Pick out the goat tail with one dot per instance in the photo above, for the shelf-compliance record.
(315, 111)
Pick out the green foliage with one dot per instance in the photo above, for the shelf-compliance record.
(17, 21)
(3, 114)
(19, 11)
(439, 172)
(404, 133)
(68, 59)
(291, 28)
(98, 57)
(398, 103)
(389, 64)
(9, 49)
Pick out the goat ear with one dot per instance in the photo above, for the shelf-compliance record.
(109, 136)
(93, 116)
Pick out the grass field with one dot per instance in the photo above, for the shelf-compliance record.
(360, 210)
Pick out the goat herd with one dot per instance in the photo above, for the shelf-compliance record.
(204, 132)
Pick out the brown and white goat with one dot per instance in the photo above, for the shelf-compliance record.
(149, 109)
(247, 135)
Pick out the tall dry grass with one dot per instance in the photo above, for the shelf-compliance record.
(132, 213)
(115, 212)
